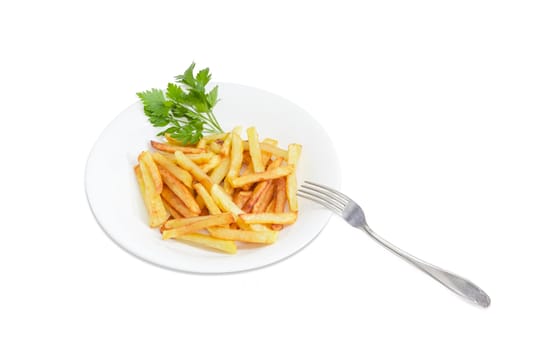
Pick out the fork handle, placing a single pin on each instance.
(455, 283)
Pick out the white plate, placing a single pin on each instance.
(117, 205)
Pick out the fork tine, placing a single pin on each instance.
(340, 194)
(321, 202)
(332, 196)
(324, 198)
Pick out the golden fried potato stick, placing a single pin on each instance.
(200, 158)
(171, 167)
(280, 199)
(219, 173)
(202, 143)
(200, 224)
(187, 164)
(266, 156)
(173, 212)
(261, 205)
(260, 188)
(211, 164)
(236, 155)
(292, 160)
(140, 181)
(241, 197)
(227, 187)
(215, 137)
(172, 224)
(267, 175)
(258, 191)
(180, 190)
(270, 218)
(223, 245)
(165, 147)
(224, 201)
(266, 147)
(246, 160)
(249, 170)
(207, 199)
(172, 140)
(215, 147)
(146, 157)
(176, 203)
(226, 146)
(255, 150)
(272, 204)
(157, 213)
(265, 237)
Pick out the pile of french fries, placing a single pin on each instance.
(221, 190)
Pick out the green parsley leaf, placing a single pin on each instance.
(185, 108)
(154, 102)
(212, 97)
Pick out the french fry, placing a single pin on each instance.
(165, 147)
(236, 155)
(200, 158)
(258, 191)
(172, 168)
(172, 140)
(223, 201)
(270, 218)
(280, 198)
(200, 224)
(246, 160)
(267, 175)
(215, 137)
(241, 198)
(200, 201)
(211, 164)
(187, 164)
(227, 187)
(247, 171)
(219, 173)
(175, 202)
(180, 222)
(292, 160)
(223, 245)
(272, 204)
(266, 156)
(206, 197)
(173, 212)
(172, 224)
(215, 147)
(255, 150)
(226, 146)
(180, 190)
(281, 195)
(157, 213)
(260, 188)
(146, 157)
(265, 237)
(274, 150)
(261, 205)
(140, 181)
(202, 143)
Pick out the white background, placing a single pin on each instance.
(429, 105)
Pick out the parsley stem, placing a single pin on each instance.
(214, 121)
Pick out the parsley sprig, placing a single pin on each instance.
(185, 108)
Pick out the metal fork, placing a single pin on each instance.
(350, 211)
